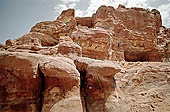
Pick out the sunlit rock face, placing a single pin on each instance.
(128, 34)
(117, 60)
(144, 86)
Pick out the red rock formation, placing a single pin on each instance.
(66, 15)
(132, 35)
(32, 82)
(20, 83)
(97, 82)
(84, 21)
(55, 29)
(60, 76)
(37, 72)
(95, 43)
(69, 49)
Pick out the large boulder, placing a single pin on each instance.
(97, 82)
(33, 82)
(60, 76)
(20, 83)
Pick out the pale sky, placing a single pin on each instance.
(18, 16)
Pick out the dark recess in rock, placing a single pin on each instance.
(42, 89)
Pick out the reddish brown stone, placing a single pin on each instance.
(84, 21)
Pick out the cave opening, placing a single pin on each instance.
(135, 56)
(82, 90)
(84, 21)
(42, 89)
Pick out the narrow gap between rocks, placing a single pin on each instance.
(42, 89)
(82, 90)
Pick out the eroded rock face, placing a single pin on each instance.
(2, 47)
(144, 86)
(33, 82)
(60, 76)
(96, 43)
(20, 83)
(131, 35)
(55, 29)
(33, 38)
(163, 41)
(97, 83)
(69, 49)
(66, 16)
(37, 72)
(71, 103)
(84, 21)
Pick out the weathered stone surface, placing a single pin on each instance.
(163, 42)
(72, 102)
(69, 49)
(131, 34)
(55, 29)
(33, 38)
(2, 47)
(40, 44)
(97, 82)
(96, 43)
(33, 82)
(20, 83)
(84, 21)
(66, 15)
(131, 18)
(63, 26)
(60, 77)
(144, 87)
(9, 42)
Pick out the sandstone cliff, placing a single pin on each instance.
(117, 60)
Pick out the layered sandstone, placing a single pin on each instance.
(132, 34)
(117, 60)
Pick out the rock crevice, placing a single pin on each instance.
(42, 89)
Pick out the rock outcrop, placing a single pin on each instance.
(2, 47)
(32, 82)
(97, 82)
(19, 83)
(117, 60)
(95, 43)
(132, 32)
